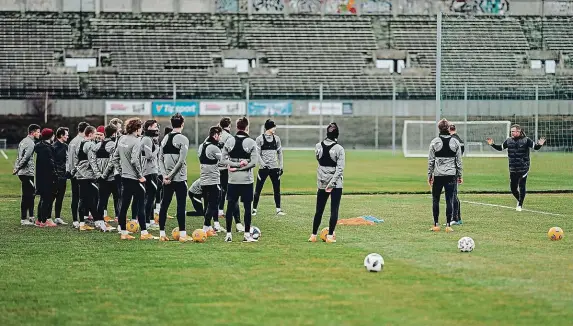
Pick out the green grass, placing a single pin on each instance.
(515, 276)
(379, 172)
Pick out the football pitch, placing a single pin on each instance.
(515, 275)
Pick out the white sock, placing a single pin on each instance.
(205, 228)
(217, 225)
(158, 207)
(229, 234)
(86, 217)
(82, 223)
(162, 233)
(221, 212)
(143, 232)
(124, 232)
(105, 212)
(182, 233)
(278, 210)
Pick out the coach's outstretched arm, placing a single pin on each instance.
(537, 146)
(495, 146)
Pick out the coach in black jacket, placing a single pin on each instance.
(60, 160)
(45, 177)
(518, 148)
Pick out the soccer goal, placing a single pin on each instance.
(299, 137)
(3, 148)
(418, 134)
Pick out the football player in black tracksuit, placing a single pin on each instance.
(518, 147)
(45, 178)
(60, 149)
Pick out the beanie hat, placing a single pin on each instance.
(100, 129)
(332, 131)
(47, 133)
(269, 124)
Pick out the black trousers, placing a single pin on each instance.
(59, 193)
(119, 185)
(89, 193)
(245, 192)
(45, 204)
(457, 214)
(321, 200)
(28, 195)
(179, 188)
(197, 201)
(262, 175)
(224, 178)
(133, 192)
(106, 189)
(448, 183)
(159, 193)
(150, 192)
(211, 195)
(517, 182)
(76, 200)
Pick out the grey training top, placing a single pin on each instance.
(449, 165)
(174, 165)
(210, 174)
(330, 176)
(103, 163)
(87, 169)
(243, 175)
(73, 149)
(127, 156)
(270, 158)
(149, 160)
(25, 161)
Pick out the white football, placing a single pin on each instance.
(466, 244)
(374, 262)
(255, 232)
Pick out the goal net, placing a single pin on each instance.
(300, 137)
(418, 134)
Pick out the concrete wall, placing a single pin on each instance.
(79, 108)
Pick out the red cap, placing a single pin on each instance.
(47, 133)
(100, 129)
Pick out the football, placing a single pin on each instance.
(466, 244)
(555, 233)
(255, 232)
(199, 236)
(374, 262)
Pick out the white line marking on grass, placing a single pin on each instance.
(512, 208)
(4, 154)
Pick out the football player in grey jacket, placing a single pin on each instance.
(25, 169)
(331, 159)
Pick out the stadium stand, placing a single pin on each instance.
(142, 55)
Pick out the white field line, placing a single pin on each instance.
(512, 208)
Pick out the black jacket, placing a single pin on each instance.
(60, 159)
(518, 153)
(45, 167)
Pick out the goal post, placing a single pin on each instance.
(417, 135)
(3, 148)
(299, 137)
